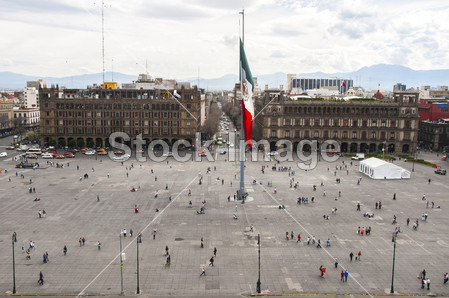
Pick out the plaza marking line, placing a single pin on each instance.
(304, 229)
(143, 230)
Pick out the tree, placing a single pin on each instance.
(72, 143)
(210, 126)
(80, 142)
(90, 143)
(51, 142)
(61, 142)
(33, 136)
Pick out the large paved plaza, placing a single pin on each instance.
(287, 267)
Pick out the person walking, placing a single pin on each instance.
(64, 250)
(215, 251)
(359, 255)
(154, 233)
(251, 228)
(166, 250)
(211, 262)
(445, 277)
(428, 283)
(299, 238)
(203, 271)
(351, 255)
(99, 245)
(336, 263)
(41, 279)
(342, 276)
(124, 232)
(131, 232)
(346, 275)
(202, 242)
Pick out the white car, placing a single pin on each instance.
(47, 156)
(90, 153)
(3, 154)
(123, 157)
(231, 145)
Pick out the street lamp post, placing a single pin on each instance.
(258, 281)
(14, 239)
(414, 157)
(139, 240)
(394, 258)
(121, 266)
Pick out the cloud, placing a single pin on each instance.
(41, 6)
(285, 30)
(172, 11)
(277, 54)
(230, 41)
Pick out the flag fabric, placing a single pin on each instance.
(343, 84)
(247, 88)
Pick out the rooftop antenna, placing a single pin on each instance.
(112, 64)
(198, 77)
(102, 33)
(146, 66)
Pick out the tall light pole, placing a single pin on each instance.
(258, 281)
(394, 258)
(121, 266)
(139, 240)
(14, 239)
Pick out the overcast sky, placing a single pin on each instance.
(178, 38)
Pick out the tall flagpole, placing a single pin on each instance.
(242, 130)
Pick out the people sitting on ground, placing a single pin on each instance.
(190, 204)
(235, 217)
(133, 189)
(37, 199)
(136, 210)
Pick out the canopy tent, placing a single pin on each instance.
(378, 169)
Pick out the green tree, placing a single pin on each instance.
(80, 142)
(51, 142)
(90, 144)
(72, 143)
(61, 142)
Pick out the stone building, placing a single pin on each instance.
(87, 117)
(358, 126)
(434, 135)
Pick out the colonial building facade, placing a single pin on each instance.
(87, 117)
(434, 135)
(362, 126)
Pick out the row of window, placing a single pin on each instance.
(119, 114)
(137, 123)
(107, 131)
(335, 134)
(117, 106)
(338, 122)
(336, 110)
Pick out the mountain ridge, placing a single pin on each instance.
(368, 77)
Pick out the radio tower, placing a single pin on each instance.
(102, 34)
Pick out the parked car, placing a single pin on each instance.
(102, 152)
(24, 165)
(69, 155)
(10, 148)
(440, 172)
(32, 156)
(59, 156)
(47, 156)
(89, 152)
(223, 152)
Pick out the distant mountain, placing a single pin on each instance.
(367, 77)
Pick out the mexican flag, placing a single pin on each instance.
(247, 88)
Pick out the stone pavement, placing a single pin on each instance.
(287, 267)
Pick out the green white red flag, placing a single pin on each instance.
(247, 88)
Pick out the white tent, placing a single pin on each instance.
(378, 169)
